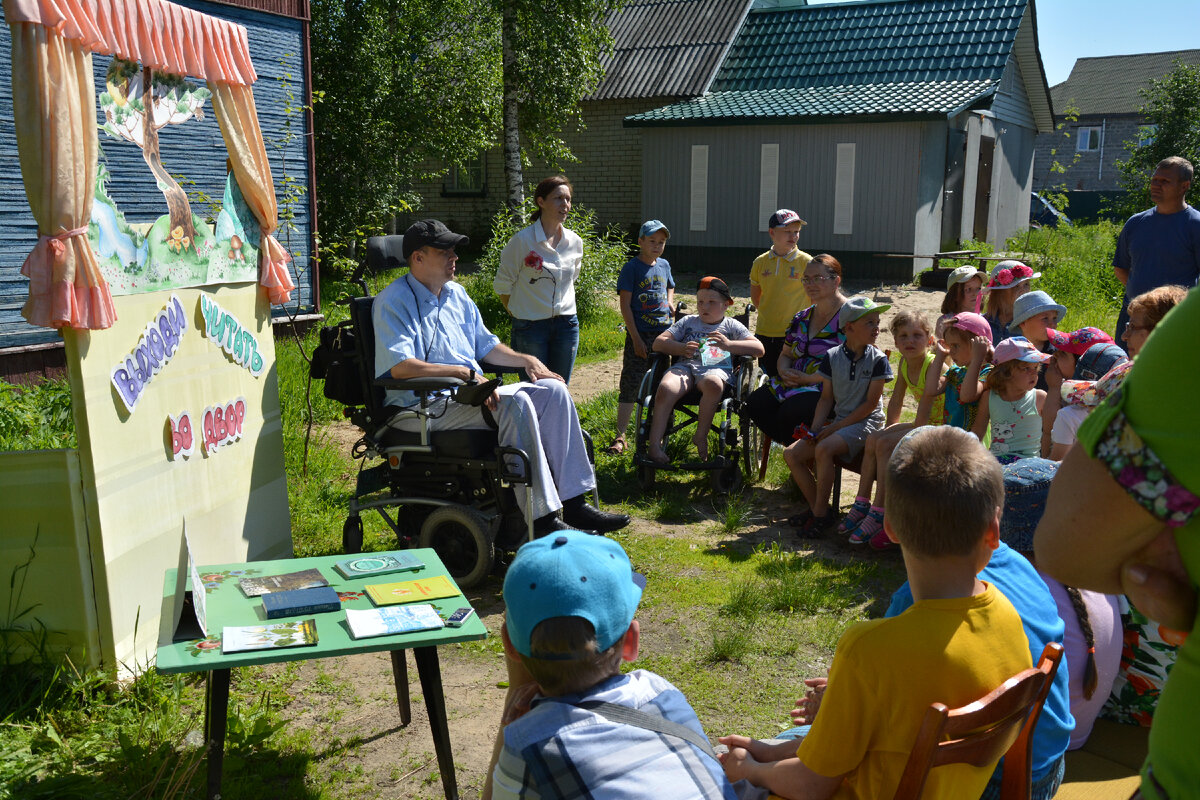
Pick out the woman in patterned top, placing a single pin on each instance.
(789, 400)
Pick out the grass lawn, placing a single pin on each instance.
(735, 613)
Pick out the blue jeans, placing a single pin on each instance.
(554, 341)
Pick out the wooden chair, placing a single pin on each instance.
(979, 733)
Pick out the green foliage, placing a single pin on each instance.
(36, 417)
(556, 50)
(397, 88)
(1076, 266)
(604, 253)
(1173, 104)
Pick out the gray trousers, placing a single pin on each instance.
(539, 418)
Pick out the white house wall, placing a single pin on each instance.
(886, 168)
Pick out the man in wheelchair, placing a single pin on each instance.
(427, 327)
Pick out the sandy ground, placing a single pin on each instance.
(349, 704)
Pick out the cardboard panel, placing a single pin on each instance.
(44, 527)
(233, 497)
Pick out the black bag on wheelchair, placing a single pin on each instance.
(335, 361)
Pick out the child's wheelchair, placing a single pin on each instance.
(452, 490)
(734, 459)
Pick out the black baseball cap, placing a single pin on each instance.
(430, 233)
(717, 285)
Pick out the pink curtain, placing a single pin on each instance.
(234, 107)
(54, 101)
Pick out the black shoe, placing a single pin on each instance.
(544, 526)
(583, 515)
(814, 527)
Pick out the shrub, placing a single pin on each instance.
(1076, 267)
(36, 417)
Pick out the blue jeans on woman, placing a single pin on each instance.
(554, 341)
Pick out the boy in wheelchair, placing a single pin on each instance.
(426, 327)
(707, 342)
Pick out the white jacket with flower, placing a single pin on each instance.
(539, 279)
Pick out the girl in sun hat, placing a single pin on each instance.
(963, 286)
(1007, 281)
(1034, 313)
(1012, 407)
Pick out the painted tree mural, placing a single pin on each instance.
(138, 102)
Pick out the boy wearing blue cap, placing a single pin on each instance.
(647, 292)
(590, 731)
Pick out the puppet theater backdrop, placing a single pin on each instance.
(166, 324)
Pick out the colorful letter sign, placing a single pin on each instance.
(225, 330)
(154, 350)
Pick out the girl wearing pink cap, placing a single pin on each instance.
(1012, 407)
(967, 342)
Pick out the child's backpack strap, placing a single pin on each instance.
(625, 715)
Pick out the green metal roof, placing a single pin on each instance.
(861, 103)
(903, 41)
(904, 59)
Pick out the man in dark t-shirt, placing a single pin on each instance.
(1160, 246)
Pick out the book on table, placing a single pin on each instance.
(297, 633)
(434, 588)
(304, 579)
(368, 622)
(373, 564)
(295, 602)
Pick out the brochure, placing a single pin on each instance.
(296, 633)
(369, 622)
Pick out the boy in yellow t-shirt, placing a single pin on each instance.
(776, 286)
(960, 640)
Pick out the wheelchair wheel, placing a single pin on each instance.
(727, 479)
(352, 535)
(752, 443)
(462, 539)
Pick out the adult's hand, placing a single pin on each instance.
(536, 370)
(1157, 583)
(791, 377)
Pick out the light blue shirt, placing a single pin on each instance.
(410, 322)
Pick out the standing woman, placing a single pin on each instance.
(536, 280)
(790, 399)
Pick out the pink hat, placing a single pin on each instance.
(971, 323)
(1077, 342)
(1018, 348)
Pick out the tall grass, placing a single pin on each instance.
(1076, 267)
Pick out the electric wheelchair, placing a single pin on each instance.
(734, 458)
(451, 490)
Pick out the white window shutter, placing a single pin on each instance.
(768, 185)
(699, 199)
(843, 194)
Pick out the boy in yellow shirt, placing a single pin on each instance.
(960, 640)
(775, 285)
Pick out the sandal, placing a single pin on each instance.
(617, 447)
(800, 520)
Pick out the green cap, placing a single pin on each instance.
(858, 307)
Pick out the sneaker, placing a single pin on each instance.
(857, 513)
(867, 530)
(815, 526)
(857, 536)
(881, 541)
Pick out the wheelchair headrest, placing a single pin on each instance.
(385, 252)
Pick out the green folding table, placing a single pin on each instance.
(227, 605)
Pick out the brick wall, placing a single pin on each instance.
(1090, 170)
(607, 176)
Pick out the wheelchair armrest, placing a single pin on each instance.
(496, 369)
(419, 385)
